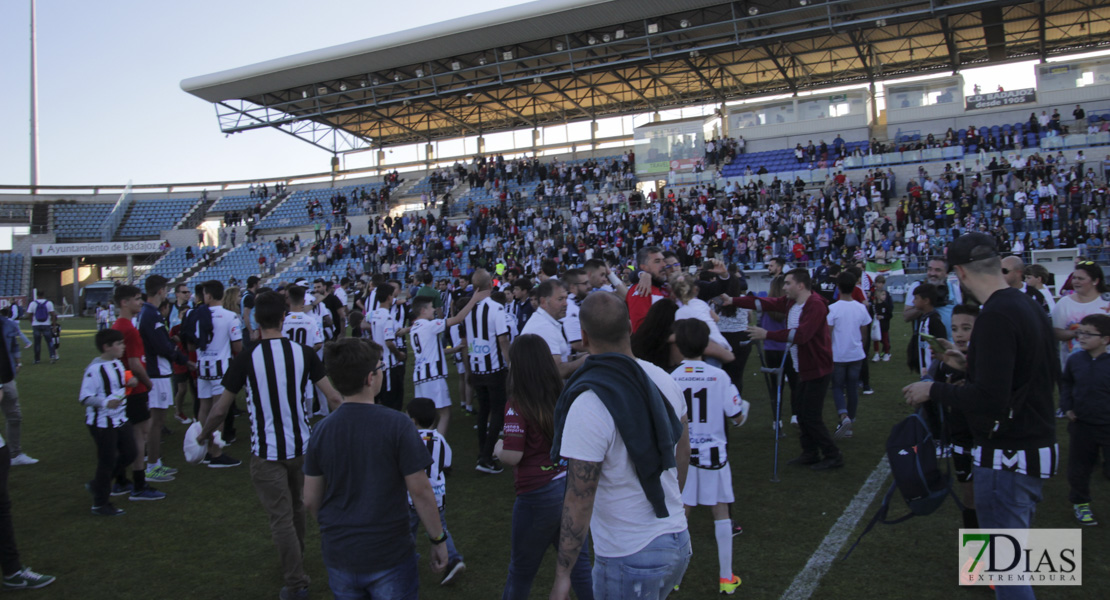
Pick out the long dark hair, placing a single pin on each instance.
(736, 286)
(1094, 272)
(649, 342)
(534, 383)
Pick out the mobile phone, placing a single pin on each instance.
(934, 343)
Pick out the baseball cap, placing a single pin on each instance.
(971, 247)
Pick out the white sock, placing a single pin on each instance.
(153, 465)
(723, 531)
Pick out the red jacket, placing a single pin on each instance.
(811, 336)
(638, 306)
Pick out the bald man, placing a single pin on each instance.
(1013, 270)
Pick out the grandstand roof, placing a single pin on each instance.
(557, 61)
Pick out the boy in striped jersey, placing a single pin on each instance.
(215, 348)
(422, 411)
(383, 330)
(920, 355)
(103, 392)
(430, 373)
(277, 374)
(710, 397)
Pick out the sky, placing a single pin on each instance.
(111, 109)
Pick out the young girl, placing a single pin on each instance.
(685, 289)
(533, 387)
(1085, 400)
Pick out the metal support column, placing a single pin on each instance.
(76, 286)
(130, 270)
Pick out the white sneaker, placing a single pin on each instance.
(876, 359)
(794, 420)
(23, 459)
(886, 358)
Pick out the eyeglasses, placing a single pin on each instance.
(1083, 334)
(380, 367)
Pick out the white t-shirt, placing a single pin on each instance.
(213, 361)
(623, 520)
(846, 317)
(710, 397)
(34, 305)
(384, 329)
(1069, 311)
(545, 326)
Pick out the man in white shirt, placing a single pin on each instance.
(42, 315)
(545, 323)
(214, 351)
(641, 542)
(848, 320)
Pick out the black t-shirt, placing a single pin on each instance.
(364, 452)
(333, 304)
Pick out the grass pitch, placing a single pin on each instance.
(210, 539)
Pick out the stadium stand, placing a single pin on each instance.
(173, 263)
(292, 212)
(11, 274)
(148, 218)
(239, 263)
(15, 213)
(230, 203)
(80, 221)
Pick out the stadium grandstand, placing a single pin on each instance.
(824, 134)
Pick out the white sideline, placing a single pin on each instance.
(819, 563)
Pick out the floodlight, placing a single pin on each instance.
(455, 65)
(420, 72)
(559, 46)
(507, 55)
(653, 28)
(606, 38)
(684, 23)
(619, 34)
(482, 61)
(753, 11)
(592, 40)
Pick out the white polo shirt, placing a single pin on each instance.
(545, 326)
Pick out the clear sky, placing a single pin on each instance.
(111, 108)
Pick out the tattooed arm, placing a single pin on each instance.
(682, 455)
(578, 506)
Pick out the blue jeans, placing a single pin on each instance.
(41, 331)
(414, 522)
(1006, 500)
(399, 583)
(649, 574)
(537, 516)
(845, 376)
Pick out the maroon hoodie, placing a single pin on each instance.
(811, 336)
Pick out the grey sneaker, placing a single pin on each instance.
(26, 579)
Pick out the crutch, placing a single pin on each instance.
(780, 374)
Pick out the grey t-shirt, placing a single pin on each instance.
(364, 452)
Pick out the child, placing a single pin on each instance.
(103, 389)
(883, 307)
(1086, 402)
(430, 372)
(955, 422)
(422, 411)
(101, 317)
(710, 397)
(919, 354)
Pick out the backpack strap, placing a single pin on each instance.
(880, 515)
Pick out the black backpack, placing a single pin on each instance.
(912, 452)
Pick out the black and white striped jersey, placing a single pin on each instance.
(431, 362)
(103, 380)
(383, 329)
(710, 397)
(213, 361)
(485, 324)
(278, 375)
(441, 460)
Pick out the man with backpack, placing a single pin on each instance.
(43, 318)
(1012, 368)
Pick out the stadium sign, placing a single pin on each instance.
(1021, 557)
(96, 248)
(996, 99)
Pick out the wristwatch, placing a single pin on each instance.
(439, 540)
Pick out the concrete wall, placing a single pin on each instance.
(827, 133)
(998, 116)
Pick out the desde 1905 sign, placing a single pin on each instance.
(996, 99)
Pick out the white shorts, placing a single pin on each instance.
(708, 487)
(209, 388)
(435, 389)
(161, 395)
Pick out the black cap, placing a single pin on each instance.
(971, 247)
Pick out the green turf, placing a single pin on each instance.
(209, 538)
